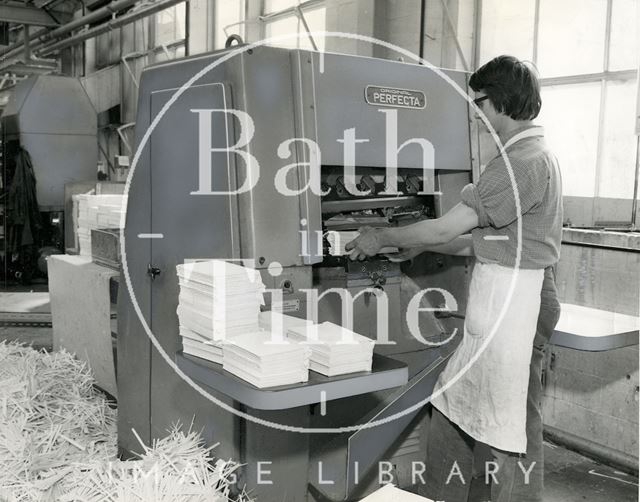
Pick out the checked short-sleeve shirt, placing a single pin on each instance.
(537, 178)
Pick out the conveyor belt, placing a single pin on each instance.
(35, 319)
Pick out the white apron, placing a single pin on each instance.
(489, 400)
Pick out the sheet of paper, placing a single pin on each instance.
(390, 493)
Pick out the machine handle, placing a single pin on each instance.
(153, 271)
(233, 38)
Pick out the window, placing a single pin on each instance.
(571, 37)
(507, 27)
(229, 17)
(587, 54)
(271, 6)
(283, 26)
(624, 35)
(170, 26)
(574, 135)
(290, 22)
(618, 141)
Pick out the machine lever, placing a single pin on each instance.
(378, 279)
(152, 271)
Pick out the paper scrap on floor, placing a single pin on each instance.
(390, 493)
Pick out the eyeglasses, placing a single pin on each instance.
(479, 100)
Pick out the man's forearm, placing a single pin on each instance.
(460, 246)
(459, 220)
(427, 233)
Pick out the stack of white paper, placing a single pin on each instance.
(254, 357)
(218, 300)
(278, 324)
(97, 211)
(334, 350)
(200, 346)
(389, 493)
(339, 239)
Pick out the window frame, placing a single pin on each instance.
(239, 26)
(602, 77)
(307, 5)
(155, 46)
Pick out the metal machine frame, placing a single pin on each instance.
(288, 94)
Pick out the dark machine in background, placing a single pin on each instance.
(49, 123)
(291, 94)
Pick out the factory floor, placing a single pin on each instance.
(569, 476)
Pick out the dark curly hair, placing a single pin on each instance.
(512, 87)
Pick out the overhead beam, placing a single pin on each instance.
(42, 36)
(130, 17)
(17, 12)
(30, 69)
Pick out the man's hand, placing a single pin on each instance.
(368, 243)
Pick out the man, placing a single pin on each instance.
(487, 392)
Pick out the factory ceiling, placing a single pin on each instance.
(37, 21)
(44, 13)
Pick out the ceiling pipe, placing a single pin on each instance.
(27, 47)
(13, 49)
(423, 16)
(33, 35)
(110, 25)
(43, 38)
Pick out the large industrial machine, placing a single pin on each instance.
(181, 207)
(50, 124)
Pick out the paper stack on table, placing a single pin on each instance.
(200, 346)
(218, 300)
(254, 357)
(334, 350)
(97, 211)
(278, 324)
(339, 239)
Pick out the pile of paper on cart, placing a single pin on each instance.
(334, 350)
(218, 300)
(256, 358)
(96, 211)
